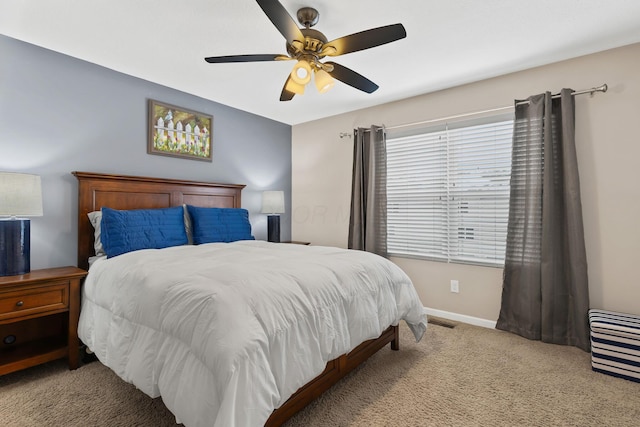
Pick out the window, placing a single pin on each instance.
(448, 191)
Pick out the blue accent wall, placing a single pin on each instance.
(59, 114)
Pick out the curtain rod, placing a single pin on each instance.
(603, 88)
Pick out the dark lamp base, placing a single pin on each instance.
(15, 247)
(273, 228)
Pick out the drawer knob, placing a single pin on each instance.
(19, 303)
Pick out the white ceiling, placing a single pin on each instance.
(449, 42)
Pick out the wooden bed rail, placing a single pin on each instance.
(335, 370)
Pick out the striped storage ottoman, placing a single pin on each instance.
(615, 344)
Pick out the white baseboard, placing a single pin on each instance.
(491, 324)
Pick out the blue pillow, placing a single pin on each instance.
(210, 225)
(132, 230)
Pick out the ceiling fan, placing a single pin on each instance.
(308, 46)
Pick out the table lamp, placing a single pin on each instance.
(273, 205)
(20, 196)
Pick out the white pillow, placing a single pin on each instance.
(96, 218)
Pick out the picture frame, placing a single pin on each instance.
(179, 132)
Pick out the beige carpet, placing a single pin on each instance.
(466, 376)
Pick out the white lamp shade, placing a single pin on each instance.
(294, 87)
(273, 202)
(301, 73)
(324, 81)
(20, 194)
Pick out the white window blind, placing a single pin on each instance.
(448, 191)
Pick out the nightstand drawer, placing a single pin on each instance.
(35, 300)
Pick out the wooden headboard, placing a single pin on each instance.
(137, 192)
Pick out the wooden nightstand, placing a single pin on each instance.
(39, 314)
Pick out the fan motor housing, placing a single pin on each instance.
(314, 40)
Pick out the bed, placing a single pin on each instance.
(257, 360)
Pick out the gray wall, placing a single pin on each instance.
(59, 114)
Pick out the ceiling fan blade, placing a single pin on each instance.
(244, 58)
(286, 95)
(365, 40)
(282, 20)
(350, 77)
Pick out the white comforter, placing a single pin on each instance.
(226, 332)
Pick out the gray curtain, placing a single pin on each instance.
(368, 220)
(545, 292)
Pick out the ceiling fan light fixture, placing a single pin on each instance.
(323, 81)
(308, 46)
(294, 87)
(301, 72)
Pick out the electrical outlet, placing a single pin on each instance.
(455, 286)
